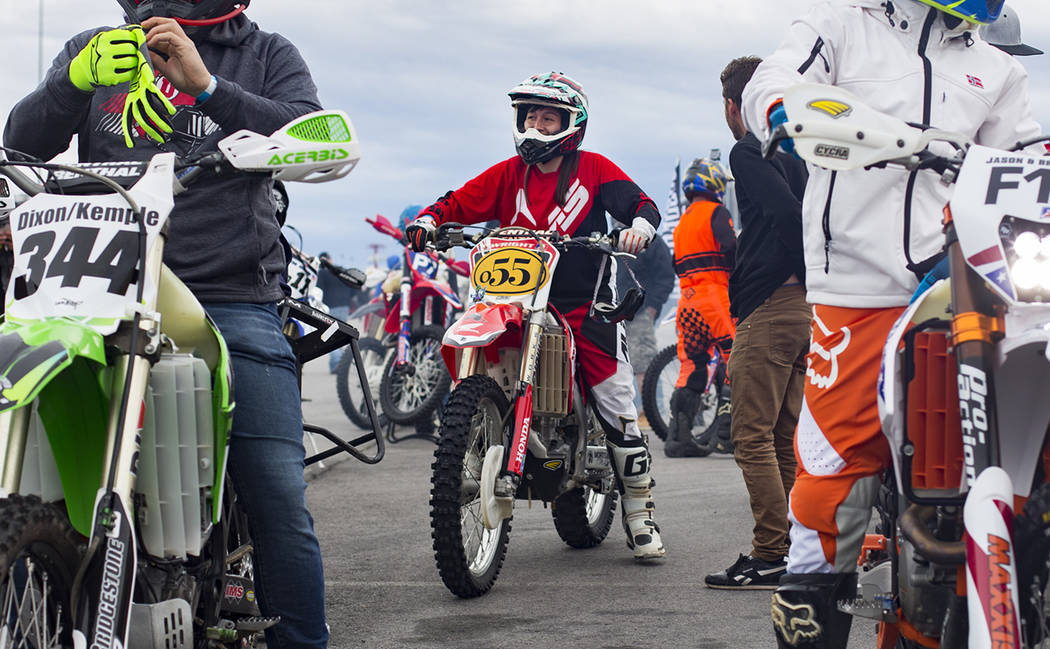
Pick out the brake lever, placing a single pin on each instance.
(770, 146)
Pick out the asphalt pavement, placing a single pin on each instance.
(384, 591)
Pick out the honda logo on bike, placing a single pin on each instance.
(523, 440)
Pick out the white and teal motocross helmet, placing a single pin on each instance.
(553, 90)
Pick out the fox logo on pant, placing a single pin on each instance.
(795, 622)
(830, 356)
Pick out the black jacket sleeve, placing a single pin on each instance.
(769, 189)
(722, 229)
(656, 274)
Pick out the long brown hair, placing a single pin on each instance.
(570, 162)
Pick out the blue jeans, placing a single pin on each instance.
(339, 313)
(266, 466)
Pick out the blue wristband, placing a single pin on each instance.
(206, 94)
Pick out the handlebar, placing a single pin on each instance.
(352, 277)
(106, 177)
(451, 235)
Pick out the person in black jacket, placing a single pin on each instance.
(767, 298)
(222, 75)
(654, 269)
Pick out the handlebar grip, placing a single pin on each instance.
(352, 277)
(19, 179)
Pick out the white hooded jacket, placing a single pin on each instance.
(867, 232)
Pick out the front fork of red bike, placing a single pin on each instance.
(523, 406)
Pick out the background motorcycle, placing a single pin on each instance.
(658, 386)
(312, 333)
(419, 305)
(516, 425)
(962, 393)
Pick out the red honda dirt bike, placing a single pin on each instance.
(419, 304)
(516, 425)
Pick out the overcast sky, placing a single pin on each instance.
(425, 84)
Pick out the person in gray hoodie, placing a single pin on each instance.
(221, 74)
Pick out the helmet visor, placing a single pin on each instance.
(974, 11)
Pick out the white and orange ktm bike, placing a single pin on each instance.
(962, 553)
(516, 425)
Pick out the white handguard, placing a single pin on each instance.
(315, 147)
(634, 239)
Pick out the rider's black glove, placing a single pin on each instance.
(419, 232)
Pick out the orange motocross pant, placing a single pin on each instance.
(839, 443)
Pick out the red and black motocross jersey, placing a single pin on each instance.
(598, 186)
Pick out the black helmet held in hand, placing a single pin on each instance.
(186, 12)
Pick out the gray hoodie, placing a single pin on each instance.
(224, 238)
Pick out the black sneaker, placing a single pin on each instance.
(749, 573)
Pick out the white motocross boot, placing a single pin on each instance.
(636, 505)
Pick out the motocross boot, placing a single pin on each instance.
(718, 435)
(680, 443)
(632, 464)
(805, 610)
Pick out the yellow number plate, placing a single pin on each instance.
(510, 271)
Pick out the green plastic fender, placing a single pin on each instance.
(61, 364)
(222, 412)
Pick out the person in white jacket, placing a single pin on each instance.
(869, 237)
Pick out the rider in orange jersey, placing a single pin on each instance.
(704, 251)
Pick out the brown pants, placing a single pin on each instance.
(767, 372)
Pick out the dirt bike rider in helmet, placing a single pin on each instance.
(552, 185)
(704, 252)
(217, 75)
(869, 236)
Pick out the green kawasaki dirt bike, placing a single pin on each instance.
(116, 403)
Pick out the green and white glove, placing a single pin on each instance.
(147, 107)
(110, 58)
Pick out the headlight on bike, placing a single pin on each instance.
(1027, 246)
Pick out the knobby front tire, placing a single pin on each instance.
(468, 555)
(413, 391)
(40, 553)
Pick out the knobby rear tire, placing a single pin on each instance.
(584, 517)
(468, 555)
(656, 404)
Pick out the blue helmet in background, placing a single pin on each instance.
(704, 176)
(408, 215)
(974, 11)
(393, 261)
